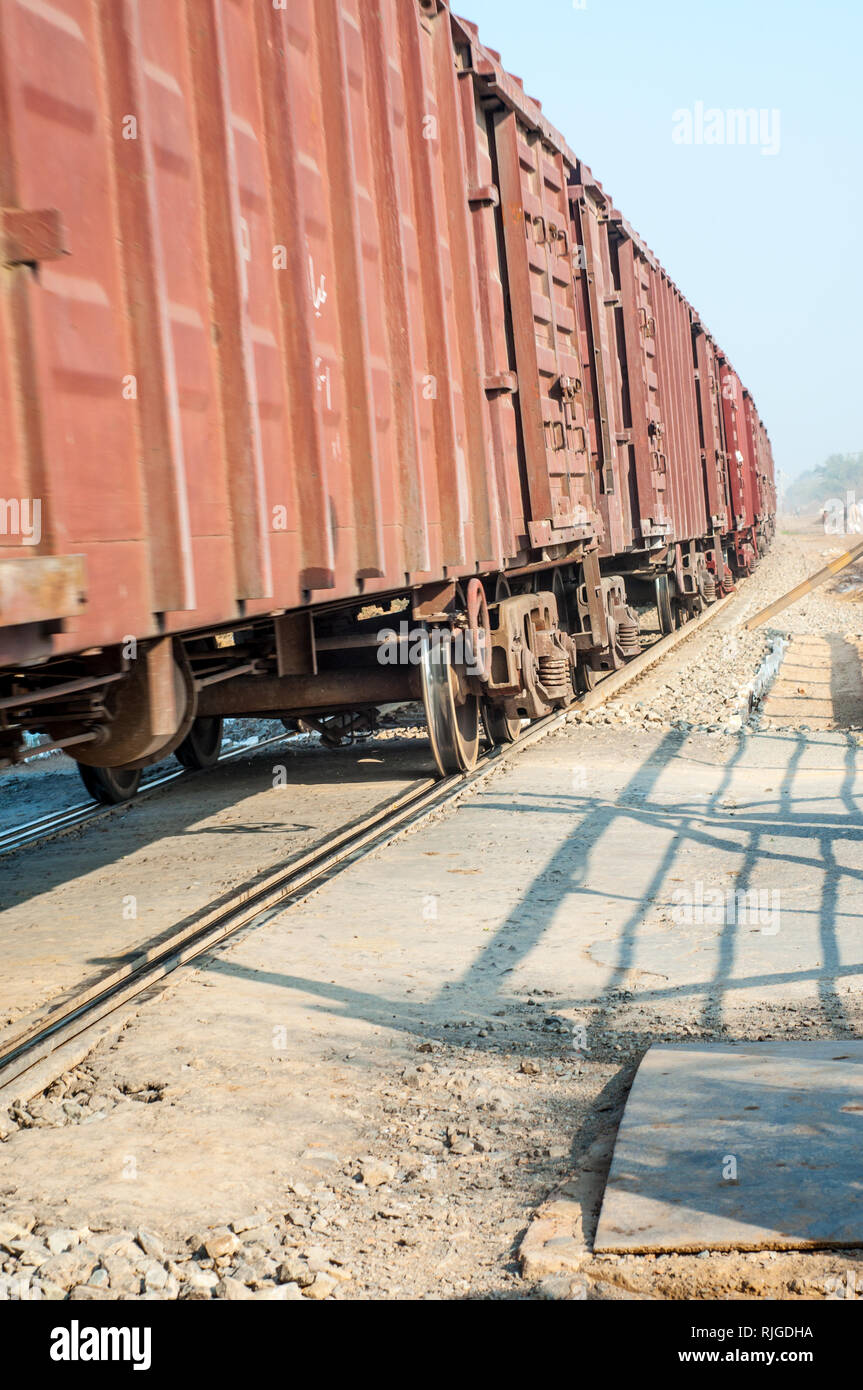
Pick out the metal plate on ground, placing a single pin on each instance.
(739, 1146)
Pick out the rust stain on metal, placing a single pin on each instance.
(42, 589)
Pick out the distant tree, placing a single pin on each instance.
(839, 474)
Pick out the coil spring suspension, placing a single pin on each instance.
(708, 591)
(627, 638)
(554, 677)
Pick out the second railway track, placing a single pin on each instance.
(56, 822)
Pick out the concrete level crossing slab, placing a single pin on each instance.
(819, 685)
(739, 1146)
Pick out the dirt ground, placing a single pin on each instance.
(408, 1085)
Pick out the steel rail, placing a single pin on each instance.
(286, 884)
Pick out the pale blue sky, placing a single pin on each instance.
(767, 248)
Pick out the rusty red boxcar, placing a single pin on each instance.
(310, 324)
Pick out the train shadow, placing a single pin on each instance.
(197, 821)
(186, 806)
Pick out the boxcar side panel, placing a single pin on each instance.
(301, 304)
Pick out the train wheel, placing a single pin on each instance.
(202, 745)
(502, 588)
(110, 785)
(585, 678)
(453, 718)
(663, 604)
(499, 727)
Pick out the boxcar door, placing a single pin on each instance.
(738, 447)
(712, 434)
(600, 302)
(539, 273)
(649, 473)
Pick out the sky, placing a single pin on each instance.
(766, 246)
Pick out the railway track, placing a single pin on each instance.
(45, 827)
(32, 1058)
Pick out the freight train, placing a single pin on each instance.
(315, 334)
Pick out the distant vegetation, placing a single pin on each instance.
(840, 474)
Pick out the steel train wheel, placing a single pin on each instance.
(453, 726)
(585, 678)
(202, 745)
(110, 785)
(663, 604)
(499, 727)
